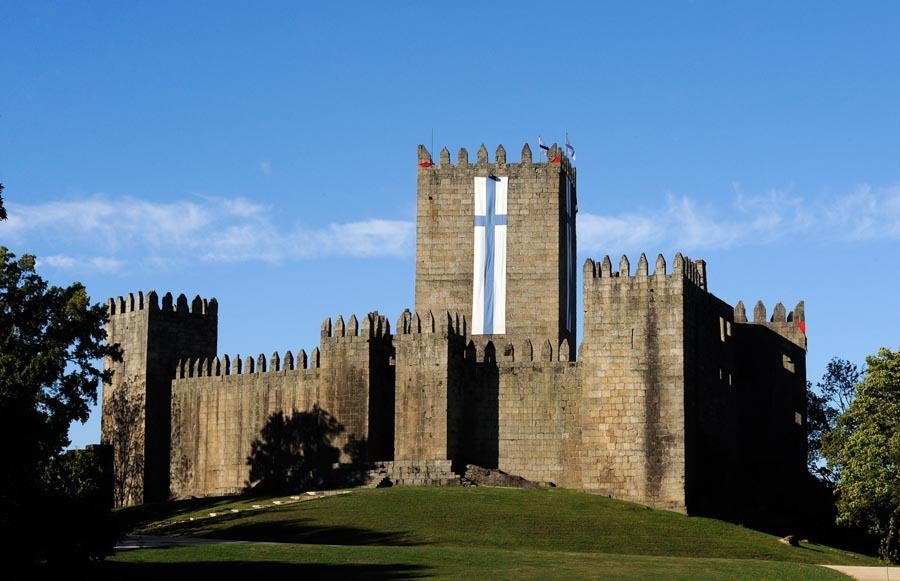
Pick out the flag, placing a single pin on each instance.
(489, 265)
(570, 151)
(802, 325)
(556, 159)
(426, 163)
(543, 145)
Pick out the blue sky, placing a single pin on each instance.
(265, 153)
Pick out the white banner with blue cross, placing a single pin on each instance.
(489, 274)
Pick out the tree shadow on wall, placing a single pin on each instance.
(296, 453)
(126, 436)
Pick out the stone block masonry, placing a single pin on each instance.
(675, 401)
(540, 249)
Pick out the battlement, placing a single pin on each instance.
(130, 304)
(411, 323)
(691, 270)
(526, 352)
(426, 163)
(779, 314)
(790, 325)
(216, 367)
(373, 325)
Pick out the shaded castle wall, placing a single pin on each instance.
(711, 402)
(520, 410)
(632, 368)
(538, 246)
(136, 404)
(219, 407)
(771, 371)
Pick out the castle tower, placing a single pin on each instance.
(136, 405)
(496, 241)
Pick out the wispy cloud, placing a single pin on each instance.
(265, 166)
(106, 234)
(101, 233)
(866, 213)
(94, 264)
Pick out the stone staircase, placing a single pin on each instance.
(413, 473)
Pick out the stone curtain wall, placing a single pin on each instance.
(536, 239)
(220, 406)
(539, 429)
(215, 419)
(428, 387)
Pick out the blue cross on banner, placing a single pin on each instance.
(489, 272)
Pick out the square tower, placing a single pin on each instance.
(496, 242)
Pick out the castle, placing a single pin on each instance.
(673, 399)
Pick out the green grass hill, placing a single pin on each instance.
(473, 533)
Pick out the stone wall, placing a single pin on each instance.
(711, 399)
(539, 435)
(428, 375)
(520, 409)
(219, 407)
(633, 381)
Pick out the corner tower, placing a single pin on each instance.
(496, 241)
(136, 419)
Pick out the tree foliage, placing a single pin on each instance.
(51, 339)
(2, 209)
(824, 405)
(865, 450)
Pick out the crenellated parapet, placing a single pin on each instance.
(498, 166)
(225, 366)
(693, 271)
(445, 324)
(791, 325)
(498, 349)
(150, 302)
(373, 326)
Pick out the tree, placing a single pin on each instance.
(864, 448)
(823, 408)
(2, 209)
(51, 339)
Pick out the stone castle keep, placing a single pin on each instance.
(673, 399)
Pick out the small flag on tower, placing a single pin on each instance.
(570, 151)
(426, 163)
(543, 145)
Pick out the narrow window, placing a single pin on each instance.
(787, 363)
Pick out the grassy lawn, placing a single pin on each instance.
(406, 533)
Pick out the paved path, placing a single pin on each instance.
(152, 542)
(869, 573)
